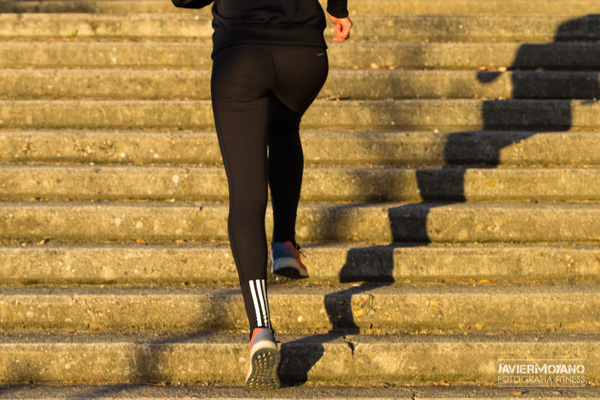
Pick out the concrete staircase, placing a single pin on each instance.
(450, 211)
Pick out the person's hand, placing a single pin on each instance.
(342, 28)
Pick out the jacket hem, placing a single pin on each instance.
(289, 35)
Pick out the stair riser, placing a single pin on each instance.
(470, 28)
(358, 310)
(319, 184)
(343, 84)
(173, 265)
(357, 115)
(320, 148)
(159, 55)
(409, 7)
(158, 222)
(302, 360)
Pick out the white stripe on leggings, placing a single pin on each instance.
(261, 296)
(256, 309)
(266, 301)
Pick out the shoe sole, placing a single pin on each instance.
(264, 370)
(288, 269)
(289, 272)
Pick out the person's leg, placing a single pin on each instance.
(300, 72)
(286, 164)
(240, 99)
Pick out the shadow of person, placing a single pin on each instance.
(543, 81)
(545, 78)
(368, 271)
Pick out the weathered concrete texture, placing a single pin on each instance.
(446, 148)
(102, 54)
(320, 147)
(303, 392)
(465, 360)
(139, 147)
(133, 26)
(196, 55)
(357, 115)
(377, 223)
(108, 264)
(222, 359)
(365, 309)
(476, 7)
(473, 56)
(105, 84)
(491, 27)
(21, 182)
(95, 6)
(470, 28)
(358, 7)
(409, 84)
(201, 263)
(343, 84)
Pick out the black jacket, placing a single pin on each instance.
(294, 22)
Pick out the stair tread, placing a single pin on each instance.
(220, 338)
(169, 54)
(482, 27)
(314, 206)
(413, 114)
(194, 84)
(305, 290)
(198, 262)
(308, 391)
(221, 358)
(362, 7)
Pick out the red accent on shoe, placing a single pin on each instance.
(254, 332)
(291, 246)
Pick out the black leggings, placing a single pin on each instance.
(259, 94)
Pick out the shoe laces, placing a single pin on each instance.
(297, 246)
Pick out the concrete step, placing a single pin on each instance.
(341, 83)
(349, 184)
(375, 223)
(352, 115)
(193, 264)
(196, 55)
(357, 7)
(457, 28)
(367, 309)
(222, 359)
(287, 391)
(402, 148)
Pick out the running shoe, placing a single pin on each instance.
(264, 360)
(286, 261)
